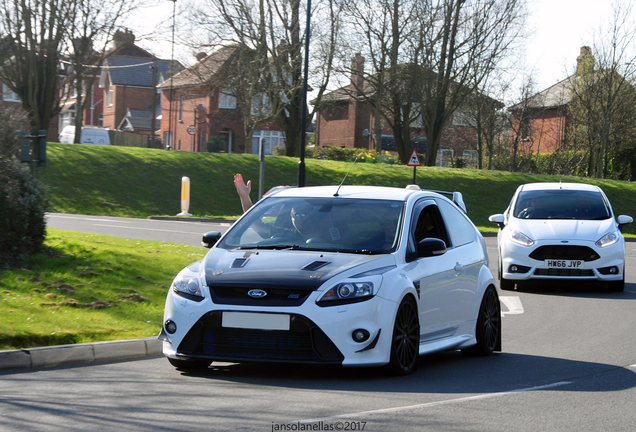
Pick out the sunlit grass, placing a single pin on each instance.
(88, 287)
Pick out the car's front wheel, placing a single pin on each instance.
(488, 330)
(405, 342)
(189, 364)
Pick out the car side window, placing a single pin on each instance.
(429, 224)
(459, 227)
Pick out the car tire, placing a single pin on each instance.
(504, 284)
(189, 364)
(616, 286)
(405, 341)
(488, 330)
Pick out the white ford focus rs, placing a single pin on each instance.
(354, 276)
(560, 231)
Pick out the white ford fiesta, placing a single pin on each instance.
(353, 276)
(560, 231)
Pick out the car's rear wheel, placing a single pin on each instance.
(406, 339)
(488, 330)
(189, 364)
(504, 284)
(616, 286)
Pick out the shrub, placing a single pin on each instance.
(23, 200)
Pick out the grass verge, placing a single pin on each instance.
(88, 288)
(137, 182)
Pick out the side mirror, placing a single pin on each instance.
(210, 238)
(624, 220)
(429, 247)
(498, 219)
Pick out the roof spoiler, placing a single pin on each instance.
(456, 197)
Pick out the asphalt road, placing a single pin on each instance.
(568, 364)
(174, 231)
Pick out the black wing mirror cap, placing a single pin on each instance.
(210, 238)
(429, 247)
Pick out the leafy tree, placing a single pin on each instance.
(34, 35)
(23, 199)
(270, 66)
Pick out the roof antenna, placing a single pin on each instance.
(345, 177)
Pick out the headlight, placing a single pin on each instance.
(521, 239)
(348, 292)
(607, 239)
(187, 285)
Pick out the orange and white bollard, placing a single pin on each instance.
(185, 196)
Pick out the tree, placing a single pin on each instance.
(95, 22)
(429, 56)
(272, 67)
(603, 107)
(34, 34)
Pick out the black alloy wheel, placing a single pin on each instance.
(488, 330)
(405, 343)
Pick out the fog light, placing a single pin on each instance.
(614, 270)
(360, 335)
(170, 326)
(513, 269)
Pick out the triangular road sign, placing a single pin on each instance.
(414, 160)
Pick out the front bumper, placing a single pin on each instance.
(316, 335)
(529, 263)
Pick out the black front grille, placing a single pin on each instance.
(563, 272)
(275, 296)
(303, 342)
(562, 252)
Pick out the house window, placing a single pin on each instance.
(524, 128)
(9, 95)
(74, 92)
(463, 118)
(261, 106)
(271, 140)
(415, 116)
(109, 98)
(227, 100)
(181, 101)
(444, 158)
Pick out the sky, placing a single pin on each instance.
(559, 28)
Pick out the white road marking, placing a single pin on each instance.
(148, 229)
(434, 404)
(513, 303)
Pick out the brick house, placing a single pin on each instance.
(199, 114)
(124, 91)
(344, 120)
(540, 123)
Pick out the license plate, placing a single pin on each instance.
(564, 264)
(256, 321)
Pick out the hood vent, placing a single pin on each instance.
(239, 262)
(315, 265)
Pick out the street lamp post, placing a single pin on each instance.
(303, 125)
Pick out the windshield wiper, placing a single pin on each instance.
(270, 247)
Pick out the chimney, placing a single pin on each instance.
(121, 38)
(357, 72)
(200, 56)
(585, 60)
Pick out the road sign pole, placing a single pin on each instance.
(414, 174)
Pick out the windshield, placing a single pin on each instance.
(326, 224)
(561, 204)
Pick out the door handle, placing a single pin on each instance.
(458, 267)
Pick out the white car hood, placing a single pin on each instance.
(564, 229)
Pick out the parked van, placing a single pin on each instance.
(90, 135)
